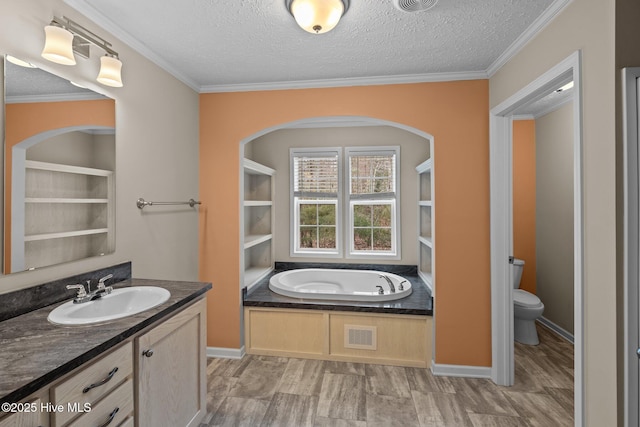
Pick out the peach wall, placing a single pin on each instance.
(455, 113)
(25, 120)
(524, 200)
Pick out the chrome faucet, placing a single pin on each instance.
(380, 290)
(391, 287)
(86, 295)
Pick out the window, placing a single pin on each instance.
(370, 194)
(315, 178)
(373, 180)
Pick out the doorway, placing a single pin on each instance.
(501, 118)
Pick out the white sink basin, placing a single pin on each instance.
(119, 303)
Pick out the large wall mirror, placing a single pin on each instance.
(59, 165)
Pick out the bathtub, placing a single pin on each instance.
(344, 285)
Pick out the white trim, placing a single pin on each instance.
(558, 330)
(460, 371)
(226, 353)
(553, 107)
(630, 89)
(529, 34)
(501, 225)
(346, 82)
(523, 117)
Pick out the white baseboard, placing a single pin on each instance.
(225, 353)
(557, 329)
(460, 371)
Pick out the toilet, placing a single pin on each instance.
(526, 309)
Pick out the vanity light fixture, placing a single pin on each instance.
(317, 16)
(65, 38)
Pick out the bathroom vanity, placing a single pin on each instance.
(143, 370)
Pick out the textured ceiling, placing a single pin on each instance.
(218, 44)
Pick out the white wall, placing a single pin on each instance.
(156, 151)
(273, 150)
(554, 215)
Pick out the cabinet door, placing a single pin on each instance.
(33, 417)
(172, 370)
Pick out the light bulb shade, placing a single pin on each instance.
(110, 71)
(317, 16)
(58, 45)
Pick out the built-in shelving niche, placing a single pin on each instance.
(257, 232)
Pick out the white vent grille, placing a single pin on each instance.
(360, 337)
(414, 5)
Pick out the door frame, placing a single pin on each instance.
(501, 221)
(631, 239)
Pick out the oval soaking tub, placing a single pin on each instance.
(344, 285)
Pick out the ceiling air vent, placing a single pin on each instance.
(414, 5)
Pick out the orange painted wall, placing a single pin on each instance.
(25, 120)
(524, 200)
(455, 113)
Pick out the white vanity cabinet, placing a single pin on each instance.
(258, 222)
(426, 222)
(171, 370)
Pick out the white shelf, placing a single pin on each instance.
(256, 168)
(48, 236)
(62, 200)
(56, 167)
(428, 203)
(250, 203)
(426, 241)
(253, 240)
(424, 166)
(254, 274)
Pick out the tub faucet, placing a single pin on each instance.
(391, 287)
(380, 290)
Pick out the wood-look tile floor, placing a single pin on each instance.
(277, 391)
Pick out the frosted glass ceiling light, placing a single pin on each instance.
(66, 38)
(317, 16)
(110, 71)
(58, 45)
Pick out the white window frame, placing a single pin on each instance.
(294, 231)
(386, 198)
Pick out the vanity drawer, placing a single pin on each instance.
(117, 406)
(99, 374)
(127, 423)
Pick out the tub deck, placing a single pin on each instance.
(419, 303)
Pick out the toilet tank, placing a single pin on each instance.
(518, 265)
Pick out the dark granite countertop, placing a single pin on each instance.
(34, 352)
(419, 302)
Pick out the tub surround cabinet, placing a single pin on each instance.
(153, 381)
(387, 339)
(257, 233)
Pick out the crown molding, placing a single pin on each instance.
(529, 34)
(353, 81)
(96, 16)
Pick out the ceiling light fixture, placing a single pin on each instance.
(65, 38)
(317, 16)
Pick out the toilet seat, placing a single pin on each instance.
(525, 299)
